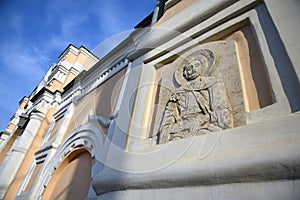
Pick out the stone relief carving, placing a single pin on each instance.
(199, 104)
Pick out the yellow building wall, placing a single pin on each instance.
(174, 10)
(256, 85)
(29, 157)
(8, 145)
(71, 180)
(55, 85)
(69, 78)
(71, 57)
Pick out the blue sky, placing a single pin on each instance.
(33, 33)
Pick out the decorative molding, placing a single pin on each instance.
(170, 29)
(86, 52)
(106, 74)
(80, 89)
(198, 102)
(70, 48)
(171, 3)
(88, 137)
(269, 152)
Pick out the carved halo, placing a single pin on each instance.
(189, 58)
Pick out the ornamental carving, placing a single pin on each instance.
(196, 101)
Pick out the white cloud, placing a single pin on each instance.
(56, 42)
(68, 25)
(22, 67)
(27, 61)
(35, 45)
(111, 17)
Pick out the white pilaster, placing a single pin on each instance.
(19, 151)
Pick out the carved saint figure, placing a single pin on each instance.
(199, 105)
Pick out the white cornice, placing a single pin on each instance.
(103, 76)
(72, 49)
(198, 11)
(63, 69)
(87, 53)
(171, 3)
(84, 86)
(74, 71)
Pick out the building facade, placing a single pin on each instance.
(200, 101)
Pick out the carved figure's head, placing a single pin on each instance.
(195, 68)
(192, 65)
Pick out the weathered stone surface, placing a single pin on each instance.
(265, 152)
(204, 101)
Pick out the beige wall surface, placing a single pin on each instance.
(180, 6)
(101, 101)
(71, 57)
(258, 151)
(8, 145)
(72, 179)
(29, 157)
(107, 94)
(256, 83)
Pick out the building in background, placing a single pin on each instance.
(202, 100)
(28, 127)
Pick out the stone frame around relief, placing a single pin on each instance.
(156, 61)
(224, 66)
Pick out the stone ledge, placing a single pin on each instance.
(261, 152)
(275, 190)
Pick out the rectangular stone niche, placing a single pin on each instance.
(255, 81)
(212, 100)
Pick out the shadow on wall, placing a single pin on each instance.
(283, 64)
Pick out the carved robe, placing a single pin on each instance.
(196, 108)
